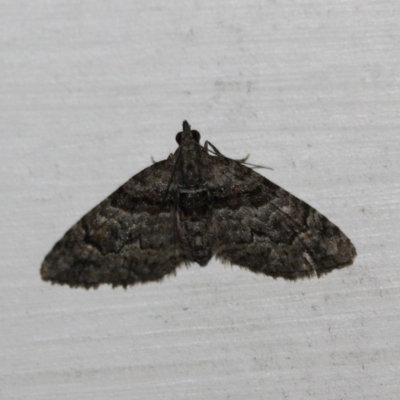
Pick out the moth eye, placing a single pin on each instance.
(196, 136)
(178, 137)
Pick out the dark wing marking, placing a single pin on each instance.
(130, 237)
(266, 229)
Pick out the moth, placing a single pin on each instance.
(192, 206)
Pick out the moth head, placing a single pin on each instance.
(187, 131)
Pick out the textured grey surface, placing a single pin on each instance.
(90, 90)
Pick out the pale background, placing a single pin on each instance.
(90, 90)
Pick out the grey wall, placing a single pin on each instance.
(90, 90)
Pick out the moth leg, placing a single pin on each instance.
(218, 153)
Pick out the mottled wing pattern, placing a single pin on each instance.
(130, 237)
(266, 229)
